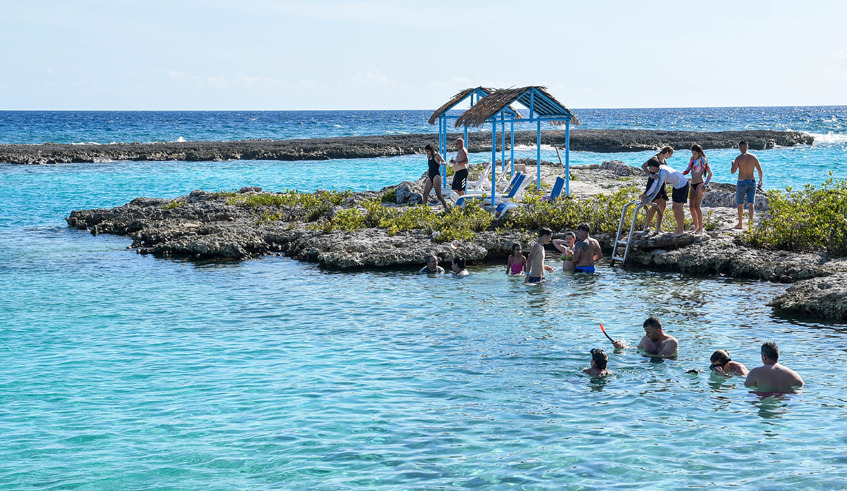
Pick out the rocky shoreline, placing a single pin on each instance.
(205, 225)
(383, 146)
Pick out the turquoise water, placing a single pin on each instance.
(124, 371)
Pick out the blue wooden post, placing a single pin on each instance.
(567, 158)
(512, 132)
(538, 154)
(493, 160)
(502, 142)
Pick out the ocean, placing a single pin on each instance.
(124, 371)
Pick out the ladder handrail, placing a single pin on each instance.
(628, 241)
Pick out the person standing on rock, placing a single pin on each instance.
(771, 376)
(586, 251)
(661, 199)
(433, 175)
(699, 168)
(460, 168)
(745, 189)
(536, 258)
(665, 174)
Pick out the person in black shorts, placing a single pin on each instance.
(433, 175)
(460, 168)
(661, 199)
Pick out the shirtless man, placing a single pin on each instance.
(586, 251)
(536, 257)
(661, 199)
(655, 342)
(460, 168)
(771, 376)
(745, 164)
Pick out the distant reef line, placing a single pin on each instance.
(356, 147)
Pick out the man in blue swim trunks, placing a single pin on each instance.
(586, 250)
(745, 189)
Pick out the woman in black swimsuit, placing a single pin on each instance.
(433, 175)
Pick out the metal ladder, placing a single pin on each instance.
(627, 242)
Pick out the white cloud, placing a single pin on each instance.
(371, 77)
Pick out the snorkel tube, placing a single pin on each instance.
(604, 332)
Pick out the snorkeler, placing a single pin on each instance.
(722, 364)
(599, 360)
(655, 342)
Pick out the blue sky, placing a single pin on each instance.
(316, 54)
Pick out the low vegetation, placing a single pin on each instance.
(811, 219)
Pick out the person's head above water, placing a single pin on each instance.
(459, 262)
(653, 328)
(431, 261)
(719, 358)
(599, 359)
(570, 238)
(770, 351)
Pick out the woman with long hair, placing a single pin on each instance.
(433, 175)
(701, 174)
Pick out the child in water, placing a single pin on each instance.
(517, 261)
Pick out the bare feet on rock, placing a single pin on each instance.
(678, 233)
(739, 226)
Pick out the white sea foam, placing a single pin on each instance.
(180, 139)
(532, 147)
(830, 138)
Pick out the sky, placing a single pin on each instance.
(326, 54)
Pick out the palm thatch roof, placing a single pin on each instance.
(536, 98)
(457, 99)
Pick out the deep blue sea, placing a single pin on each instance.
(123, 371)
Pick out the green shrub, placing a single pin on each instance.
(389, 196)
(813, 219)
(174, 204)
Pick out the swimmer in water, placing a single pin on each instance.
(722, 364)
(655, 342)
(599, 360)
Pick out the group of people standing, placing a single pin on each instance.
(660, 173)
(579, 253)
